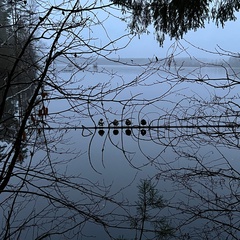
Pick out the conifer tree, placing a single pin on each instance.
(177, 17)
(5, 33)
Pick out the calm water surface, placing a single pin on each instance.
(120, 160)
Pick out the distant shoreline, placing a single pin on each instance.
(178, 61)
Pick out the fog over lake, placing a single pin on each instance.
(121, 159)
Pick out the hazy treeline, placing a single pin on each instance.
(17, 65)
(177, 61)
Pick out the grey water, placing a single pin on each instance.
(121, 160)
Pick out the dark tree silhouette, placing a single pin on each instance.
(177, 17)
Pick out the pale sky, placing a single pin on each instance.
(147, 46)
(207, 38)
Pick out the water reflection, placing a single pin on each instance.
(15, 91)
(189, 147)
(89, 169)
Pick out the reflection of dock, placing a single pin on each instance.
(152, 127)
(228, 125)
(172, 131)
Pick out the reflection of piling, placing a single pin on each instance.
(100, 125)
(128, 127)
(143, 131)
(128, 131)
(115, 125)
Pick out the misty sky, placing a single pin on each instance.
(207, 38)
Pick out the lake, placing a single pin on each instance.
(188, 147)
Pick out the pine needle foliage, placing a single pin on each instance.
(149, 222)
